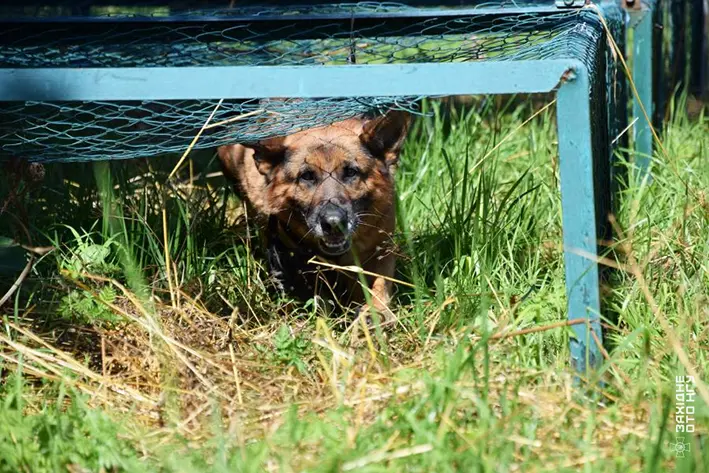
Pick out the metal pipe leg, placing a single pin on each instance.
(578, 204)
(642, 76)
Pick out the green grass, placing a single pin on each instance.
(110, 362)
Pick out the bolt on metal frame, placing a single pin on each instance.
(585, 154)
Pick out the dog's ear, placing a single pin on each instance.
(231, 157)
(384, 136)
(268, 154)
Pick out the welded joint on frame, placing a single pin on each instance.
(575, 75)
(632, 5)
(569, 75)
(571, 3)
(635, 12)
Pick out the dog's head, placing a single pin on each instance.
(326, 183)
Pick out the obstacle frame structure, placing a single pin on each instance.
(591, 108)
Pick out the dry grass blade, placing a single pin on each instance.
(401, 390)
(18, 282)
(27, 268)
(358, 270)
(237, 382)
(625, 130)
(234, 119)
(543, 328)
(387, 456)
(148, 323)
(58, 363)
(166, 249)
(195, 139)
(607, 357)
(436, 316)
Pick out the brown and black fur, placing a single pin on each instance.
(328, 193)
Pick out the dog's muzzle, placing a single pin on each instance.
(335, 230)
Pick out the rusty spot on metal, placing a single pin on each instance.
(634, 5)
(568, 75)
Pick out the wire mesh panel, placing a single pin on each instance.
(189, 34)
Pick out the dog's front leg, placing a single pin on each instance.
(276, 267)
(381, 285)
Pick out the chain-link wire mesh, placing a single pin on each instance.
(334, 34)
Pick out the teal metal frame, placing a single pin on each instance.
(644, 77)
(242, 82)
(584, 166)
(580, 194)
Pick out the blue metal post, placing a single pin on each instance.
(578, 200)
(642, 76)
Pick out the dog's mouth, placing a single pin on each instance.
(335, 246)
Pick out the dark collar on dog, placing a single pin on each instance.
(276, 229)
(280, 233)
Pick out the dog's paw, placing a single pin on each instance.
(371, 318)
(384, 315)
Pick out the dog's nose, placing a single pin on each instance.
(333, 220)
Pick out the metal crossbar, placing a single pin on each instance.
(68, 98)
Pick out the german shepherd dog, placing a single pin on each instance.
(325, 193)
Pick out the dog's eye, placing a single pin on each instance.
(307, 176)
(350, 172)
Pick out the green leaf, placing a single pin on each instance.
(282, 339)
(7, 242)
(94, 254)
